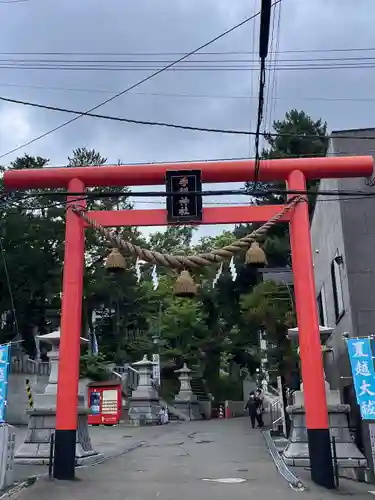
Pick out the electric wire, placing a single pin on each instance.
(91, 62)
(137, 84)
(232, 158)
(253, 31)
(274, 89)
(217, 192)
(271, 76)
(225, 52)
(161, 124)
(264, 33)
(185, 95)
(197, 68)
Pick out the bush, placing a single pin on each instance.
(93, 367)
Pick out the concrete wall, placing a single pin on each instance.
(346, 224)
(236, 408)
(18, 402)
(327, 239)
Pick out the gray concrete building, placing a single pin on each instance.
(343, 244)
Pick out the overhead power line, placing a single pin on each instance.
(184, 95)
(166, 124)
(191, 68)
(264, 35)
(137, 84)
(22, 196)
(231, 52)
(93, 62)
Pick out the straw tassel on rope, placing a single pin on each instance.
(185, 285)
(255, 256)
(115, 261)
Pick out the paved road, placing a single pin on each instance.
(186, 463)
(108, 441)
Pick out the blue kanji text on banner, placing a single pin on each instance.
(4, 372)
(360, 355)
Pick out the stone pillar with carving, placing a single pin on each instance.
(144, 404)
(186, 401)
(42, 418)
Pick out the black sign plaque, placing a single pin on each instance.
(183, 206)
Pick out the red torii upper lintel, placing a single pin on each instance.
(212, 171)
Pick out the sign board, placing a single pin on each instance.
(182, 206)
(7, 450)
(361, 361)
(371, 428)
(105, 404)
(95, 403)
(4, 373)
(156, 368)
(110, 401)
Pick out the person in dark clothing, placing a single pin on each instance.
(259, 408)
(251, 406)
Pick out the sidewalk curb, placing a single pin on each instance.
(31, 480)
(294, 482)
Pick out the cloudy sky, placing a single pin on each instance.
(85, 51)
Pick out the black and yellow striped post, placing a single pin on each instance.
(29, 394)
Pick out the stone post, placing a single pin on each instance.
(186, 401)
(296, 453)
(42, 418)
(144, 406)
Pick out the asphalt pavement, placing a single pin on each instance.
(206, 460)
(108, 441)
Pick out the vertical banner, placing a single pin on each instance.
(156, 368)
(4, 372)
(360, 355)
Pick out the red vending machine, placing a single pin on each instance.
(105, 403)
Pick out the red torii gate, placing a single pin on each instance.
(293, 171)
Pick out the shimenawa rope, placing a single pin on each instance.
(190, 261)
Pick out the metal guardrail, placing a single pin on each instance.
(281, 466)
(276, 414)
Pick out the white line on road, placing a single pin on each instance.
(227, 480)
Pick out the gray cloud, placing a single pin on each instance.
(175, 26)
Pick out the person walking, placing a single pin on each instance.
(259, 407)
(251, 406)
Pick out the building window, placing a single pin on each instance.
(338, 296)
(322, 310)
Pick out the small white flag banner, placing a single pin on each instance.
(155, 280)
(218, 274)
(233, 270)
(138, 270)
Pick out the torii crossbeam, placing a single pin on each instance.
(294, 171)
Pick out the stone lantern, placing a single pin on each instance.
(144, 405)
(186, 401)
(42, 417)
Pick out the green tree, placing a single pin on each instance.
(270, 308)
(32, 232)
(296, 136)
